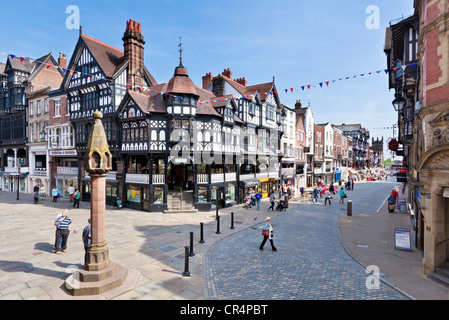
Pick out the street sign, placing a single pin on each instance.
(402, 239)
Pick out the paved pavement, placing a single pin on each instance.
(322, 253)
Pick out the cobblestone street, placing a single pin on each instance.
(310, 263)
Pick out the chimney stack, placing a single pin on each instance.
(207, 79)
(298, 104)
(242, 81)
(227, 73)
(62, 62)
(133, 48)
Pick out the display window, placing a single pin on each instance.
(213, 195)
(158, 196)
(133, 195)
(202, 194)
(111, 191)
(230, 194)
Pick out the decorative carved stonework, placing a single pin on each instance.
(99, 158)
(439, 161)
(442, 120)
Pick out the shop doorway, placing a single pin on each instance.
(179, 176)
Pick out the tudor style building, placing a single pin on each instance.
(175, 146)
(97, 79)
(259, 108)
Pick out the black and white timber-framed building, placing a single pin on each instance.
(175, 146)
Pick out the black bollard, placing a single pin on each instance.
(202, 233)
(218, 225)
(191, 244)
(186, 272)
(232, 220)
(349, 209)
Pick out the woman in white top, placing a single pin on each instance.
(267, 236)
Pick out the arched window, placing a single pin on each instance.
(153, 135)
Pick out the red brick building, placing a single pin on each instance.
(428, 169)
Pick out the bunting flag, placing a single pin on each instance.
(286, 91)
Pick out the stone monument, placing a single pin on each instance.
(100, 275)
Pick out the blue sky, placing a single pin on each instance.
(297, 42)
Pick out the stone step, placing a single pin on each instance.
(440, 276)
(181, 211)
(108, 279)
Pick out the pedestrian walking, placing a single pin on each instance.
(36, 194)
(86, 239)
(62, 224)
(258, 196)
(391, 203)
(352, 184)
(327, 197)
(342, 195)
(71, 190)
(42, 193)
(267, 232)
(395, 195)
(272, 200)
(76, 198)
(332, 188)
(316, 194)
(55, 193)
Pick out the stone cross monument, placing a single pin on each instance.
(100, 275)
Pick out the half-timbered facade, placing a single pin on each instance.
(96, 79)
(259, 108)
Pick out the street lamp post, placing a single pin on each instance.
(18, 182)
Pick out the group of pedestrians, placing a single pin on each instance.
(392, 200)
(321, 191)
(74, 194)
(253, 199)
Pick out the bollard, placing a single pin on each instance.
(186, 272)
(218, 225)
(202, 233)
(349, 209)
(191, 244)
(232, 220)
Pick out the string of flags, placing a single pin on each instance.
(287, 90)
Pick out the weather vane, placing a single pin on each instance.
(180, 50)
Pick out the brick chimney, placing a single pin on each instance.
(134, 47)
(207, 79)
(227, 73)
(298, 104)
(62, 62)
(242, 81)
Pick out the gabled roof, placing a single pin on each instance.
(262, 90)
(24, 66)
(109, 58)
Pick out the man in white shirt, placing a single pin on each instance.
(71, 191)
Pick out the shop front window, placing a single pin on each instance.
(230, 194)
(158, 196)
(213, 195)
(111, 191)
(133, 195)
(202, 195)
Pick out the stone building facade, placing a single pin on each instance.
(429, 163)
